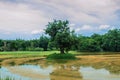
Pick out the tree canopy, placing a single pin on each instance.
(60, 33)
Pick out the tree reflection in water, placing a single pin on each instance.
(66, 72)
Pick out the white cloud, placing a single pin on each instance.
(93, 29)
(34, 32)
(72, 26)
(20, 18)
(104, 27)
(84, 28)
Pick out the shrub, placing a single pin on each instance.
(66, 56)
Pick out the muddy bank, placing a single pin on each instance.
(110, 62)
(33, 67)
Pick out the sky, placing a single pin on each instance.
(27, 19)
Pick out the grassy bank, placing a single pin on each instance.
(42, 53)
(26, 53)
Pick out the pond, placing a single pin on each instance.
(61, 71)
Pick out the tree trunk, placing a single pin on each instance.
(62, 50)
(45, 48)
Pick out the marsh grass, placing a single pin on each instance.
(7, 78)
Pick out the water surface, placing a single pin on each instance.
(56, 72)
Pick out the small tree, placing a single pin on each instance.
(60, 33)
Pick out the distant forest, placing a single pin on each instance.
(110, 41)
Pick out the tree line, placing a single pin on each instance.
(96, 42)
(61, 38)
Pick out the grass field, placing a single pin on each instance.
(45, 53)
(30, 53)
(26, 53)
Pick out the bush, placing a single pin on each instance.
(61, 56)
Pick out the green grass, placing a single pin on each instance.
(20, 54)
(27, 53)
(32, 53)
(46, 53)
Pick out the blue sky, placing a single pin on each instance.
(27, 19)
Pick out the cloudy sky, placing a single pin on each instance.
(27, 19)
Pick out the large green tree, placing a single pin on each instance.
(60, 33)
